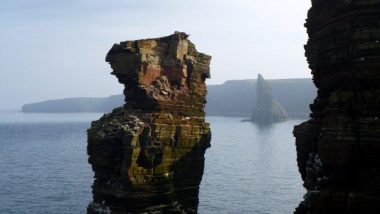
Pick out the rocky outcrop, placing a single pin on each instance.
(338, 149)
(267, 110)
(148, 156)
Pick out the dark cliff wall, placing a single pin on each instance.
(148, 156)
(338, 148)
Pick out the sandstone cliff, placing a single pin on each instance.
(148, 156)
(338, 148)
(267, 109)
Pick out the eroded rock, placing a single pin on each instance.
(338, 148)
(148, 156)
(267, 109)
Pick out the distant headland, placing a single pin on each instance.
(232, 98)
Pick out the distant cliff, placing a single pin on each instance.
(233, 98)
(238, 97)
(80, 104)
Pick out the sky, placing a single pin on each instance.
(51, 49)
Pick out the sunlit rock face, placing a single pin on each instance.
(148, 156)
(339, 147)
(267, 109)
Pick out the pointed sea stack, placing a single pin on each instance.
(267, 109)
(338, 149)
(148, 156)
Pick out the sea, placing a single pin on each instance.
(44, 165)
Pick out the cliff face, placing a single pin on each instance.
(338, 149)
(149, 155)
(267, 109)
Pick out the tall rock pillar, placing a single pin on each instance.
(267, 109)
(148, 156)
(338, 149)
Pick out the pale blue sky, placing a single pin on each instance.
(56, 49)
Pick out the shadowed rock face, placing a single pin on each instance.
(339, 148)
(267, 110)
(148, 156)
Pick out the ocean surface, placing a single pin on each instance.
(44, 168)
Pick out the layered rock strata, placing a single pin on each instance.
(267, 109)
(148, 156)
(338, 149)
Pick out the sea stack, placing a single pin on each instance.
(267, 109)
(148, 156)
(338, 149)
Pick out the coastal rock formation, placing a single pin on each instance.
(338, 149)
(148, 156)
(267, 110)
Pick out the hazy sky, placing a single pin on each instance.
(56, 48)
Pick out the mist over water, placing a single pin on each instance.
(44, 169)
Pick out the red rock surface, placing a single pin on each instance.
(148, 156)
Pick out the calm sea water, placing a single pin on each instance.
(44, 169)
